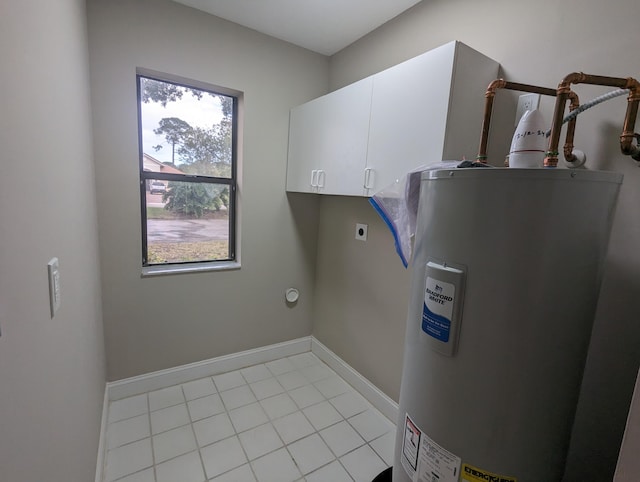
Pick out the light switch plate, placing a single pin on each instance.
(53, 268)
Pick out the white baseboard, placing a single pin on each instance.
(368, 390)
(206, 368)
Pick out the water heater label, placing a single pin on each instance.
(474, 474)
(424, 460)
(410, 446)
(437, 312)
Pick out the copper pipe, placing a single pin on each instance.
(626, 139)
(628, 134)
(571, 128)
(488, 107)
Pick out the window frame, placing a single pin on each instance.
(232, 261)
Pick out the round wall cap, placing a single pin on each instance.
(292, 295)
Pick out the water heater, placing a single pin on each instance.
(506, 274)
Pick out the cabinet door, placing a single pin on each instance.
(345, 135)
(409, 116)
(328, 142)
(304, 156)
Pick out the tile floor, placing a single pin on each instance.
(288, 420)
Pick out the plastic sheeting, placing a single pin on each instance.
(397, 204)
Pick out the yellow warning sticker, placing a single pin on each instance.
(474, 474)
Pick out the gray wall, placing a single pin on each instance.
(361, 293)
(160, 322)
(52, 371)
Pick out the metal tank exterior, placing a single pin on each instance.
(506, 276)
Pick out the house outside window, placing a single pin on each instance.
(188, 173)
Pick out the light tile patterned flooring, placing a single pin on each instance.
(289, 420)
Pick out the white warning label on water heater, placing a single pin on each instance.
(437, 312)
(410, 446)
(426, 461)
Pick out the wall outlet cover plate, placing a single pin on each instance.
(361, 231)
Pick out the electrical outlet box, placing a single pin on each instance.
(53, 268)
(361, 231)
(526, 102)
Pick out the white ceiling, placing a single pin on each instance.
(324, 26)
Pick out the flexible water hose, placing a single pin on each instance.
(579, 157)
(592, 103)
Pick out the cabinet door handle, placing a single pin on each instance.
(314, 178)
(321, 177)
(369, 177)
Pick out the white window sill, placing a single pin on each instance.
(170, 269)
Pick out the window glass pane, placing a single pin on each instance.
(185, 130)
(187, 222)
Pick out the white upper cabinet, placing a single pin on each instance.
(361, 138)
(328, 142)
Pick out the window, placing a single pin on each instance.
(187, 137)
